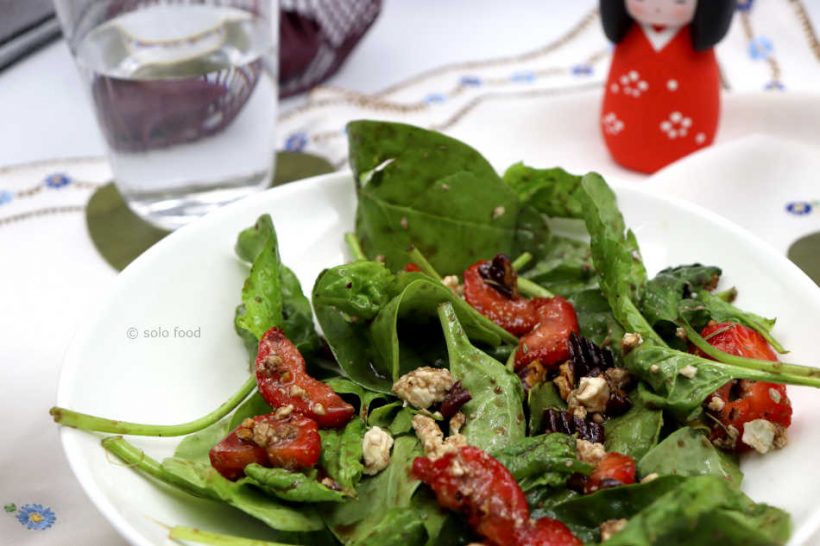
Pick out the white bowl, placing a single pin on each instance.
(191, 280)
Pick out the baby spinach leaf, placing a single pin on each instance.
(686, 291)
(380, 326)
(585, 513)
(393, 417)
(495, 416)
(636, 431)
(688, 452)
(201, 480)
(271, 295)
(297, 315)
(261, 294)
(616, 256)
(565, 268)
(704, 303)
(553, 192)
(346, 298)
(403, 423)
(541, 398)
(408, 325)
(663, 294)
(398, 527)
(422, 188)
(595, 319)
(660, 367)
(546, 459)
(341, 454)
(389, 489)
(195, 447)
(342, 385)
(542, 499)
(704, 510)
(290, 486)
(359, 289)
(252, 241)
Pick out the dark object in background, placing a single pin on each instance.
(315, 36)
(25, 26)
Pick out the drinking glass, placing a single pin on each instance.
(185, 94)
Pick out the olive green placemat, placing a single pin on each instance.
(120, 235)
(805, 252)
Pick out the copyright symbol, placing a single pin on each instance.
(132, 333)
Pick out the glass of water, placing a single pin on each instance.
(185, 94)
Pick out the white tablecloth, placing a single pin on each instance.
(519, 81)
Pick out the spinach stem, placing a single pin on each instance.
(204, 537)
(84, 421)
(529, 288)
(355, 246)
(727, 295)
(133, 456)
(510, 364)
(793, 373)
(426, 267)
(521, 261)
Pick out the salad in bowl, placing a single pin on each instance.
(480, 378)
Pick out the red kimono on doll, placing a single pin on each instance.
(662, 97)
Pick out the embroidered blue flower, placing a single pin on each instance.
(470, 81)
(296, 142)
(435, 98)
(523, 77)
(36, 517)
(57, 181)
(582, 70)
(5, 197)
(774, 86)
(799, 208)
(760, 48)
(745, 5)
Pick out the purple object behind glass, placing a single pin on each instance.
(315, 39)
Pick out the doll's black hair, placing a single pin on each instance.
(710, 25)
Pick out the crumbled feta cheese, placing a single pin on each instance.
(680, 333)
(716, 403)
(759, 434)
(610, 527)
(424, 386)
(457, 422)
(451, 282)
(403, 223)
(376, 446)
(654, 368)
(589, 452)
(630, 341)
(592, 393)
(498, 212)
(649, 477)
(688, 371)
(781, 436)
(432, 439)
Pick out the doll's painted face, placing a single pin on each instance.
(670, 13)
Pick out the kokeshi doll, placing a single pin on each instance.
(662, 96)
